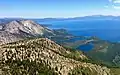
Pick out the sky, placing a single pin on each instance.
(58, 8)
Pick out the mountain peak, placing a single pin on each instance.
(24, 28)
(27, 22)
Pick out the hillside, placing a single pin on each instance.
(44, 57)
(20, 29)
(107, 52)
(104, 51)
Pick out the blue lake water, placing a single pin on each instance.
(86, 47)
(103, 29)
(75, 39)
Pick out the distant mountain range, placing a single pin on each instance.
(93, 17)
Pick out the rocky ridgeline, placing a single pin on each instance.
(16, 30)
(49, 53)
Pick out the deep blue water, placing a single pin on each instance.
(103, 29)
(75, 39)
(86, 47)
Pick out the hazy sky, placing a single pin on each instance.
(58, 8)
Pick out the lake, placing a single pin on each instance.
(86, 47)
(104, 29)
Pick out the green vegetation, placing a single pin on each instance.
(75, 54)
(82, 71)
(43, 67)
(115, 71)
(111, 56)
(26, 67)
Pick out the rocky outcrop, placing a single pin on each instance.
(16, 30)
(27, 26)
(6, 37)
(49, 53)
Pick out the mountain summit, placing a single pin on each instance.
(19, 29)
(26, 26)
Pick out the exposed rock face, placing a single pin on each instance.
(24, 28)
(1, 27)
(6, 37)
(45, 51)
(27, 26)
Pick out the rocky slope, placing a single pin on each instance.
(44, 57)
(26, 26)
(19, 29)
(6, 37)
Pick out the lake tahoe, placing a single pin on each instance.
(108, 30)
(103, 29)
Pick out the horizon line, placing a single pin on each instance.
(53, 17)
